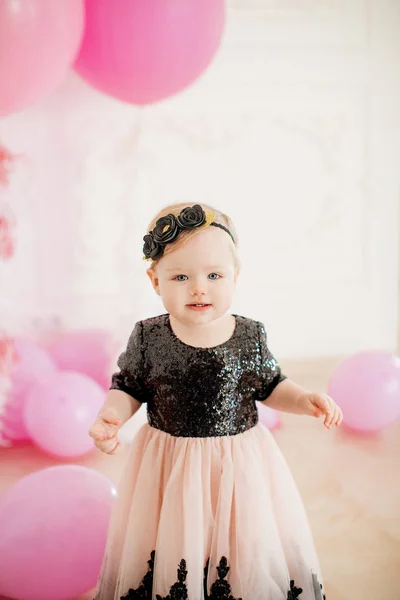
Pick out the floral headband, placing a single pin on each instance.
(169, 227)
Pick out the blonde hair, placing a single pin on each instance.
(185, 235)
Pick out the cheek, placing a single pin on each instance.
(225, 291)
(170, 290)
(164, 288)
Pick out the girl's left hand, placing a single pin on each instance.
(316, 405)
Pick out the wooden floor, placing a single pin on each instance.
(350, 485)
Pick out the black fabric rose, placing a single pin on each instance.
(166, 230)
(191, 217)
(150, 248)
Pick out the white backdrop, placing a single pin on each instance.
(293, 131)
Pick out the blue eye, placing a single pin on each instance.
(214, 276)
(181, 278)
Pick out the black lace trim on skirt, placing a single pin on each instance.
(220, 589)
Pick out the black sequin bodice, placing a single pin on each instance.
(198, 392)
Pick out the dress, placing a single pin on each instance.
(207, 507)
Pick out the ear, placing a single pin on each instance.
(154, 280)
(237, 273)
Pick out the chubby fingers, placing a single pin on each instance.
(335, 416)
(115, 449)
(320, 405)
(108, 446)
(98, 431)
(103, 430)
(109, 417)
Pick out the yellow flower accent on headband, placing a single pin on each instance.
(209, 219)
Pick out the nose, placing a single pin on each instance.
(199, 287)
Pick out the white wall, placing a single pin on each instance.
(293, 130)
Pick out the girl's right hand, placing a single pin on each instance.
(104, 431)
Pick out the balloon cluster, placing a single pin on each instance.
(134, 50)
(54, 521)
(56, 392)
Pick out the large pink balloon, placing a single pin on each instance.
(31, 365)
(59, 412)
(39, 40)
(53, 527)
(142, 51)
(89, 352)
(367, 388)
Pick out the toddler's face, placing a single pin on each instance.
(197, 280)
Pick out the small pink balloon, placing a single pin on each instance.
(144, 51)
(59, 412)
(53, 527)
(89, 352)
(367, 388)
(269, 417)
(39, 40)
(31, 364)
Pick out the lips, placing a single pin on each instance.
(198, 306)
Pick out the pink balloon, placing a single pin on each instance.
(31, 365)
(59, 412)
(268, 416)
(144, 51)
(12, 426)
(89, 352)
(53, 527)
(367, 388)
(39, 40)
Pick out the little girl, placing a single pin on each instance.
(207, 509)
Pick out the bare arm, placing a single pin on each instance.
(289, 397)
(292, 398)
(286, 397)
(121, 404)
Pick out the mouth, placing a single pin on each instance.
(198, 306)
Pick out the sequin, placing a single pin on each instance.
(198, 392)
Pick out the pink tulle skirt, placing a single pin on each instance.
(205, 518)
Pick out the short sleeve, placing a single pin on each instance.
(130, 378)
(270, 374)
